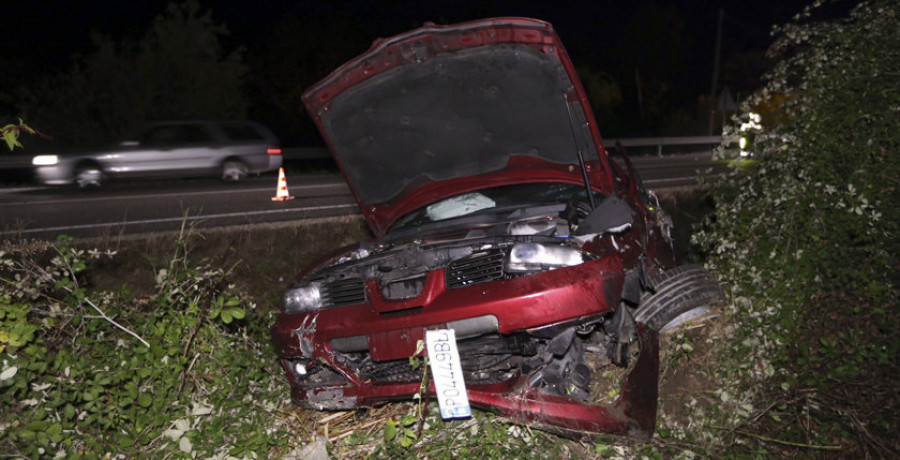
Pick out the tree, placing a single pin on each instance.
(605, 97)
(178, 69)
(654, 65)
(293, 57)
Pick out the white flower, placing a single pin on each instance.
(8, 372)
(185, 445)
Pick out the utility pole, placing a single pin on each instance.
(715, 74)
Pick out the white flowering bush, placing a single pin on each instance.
(806, 240)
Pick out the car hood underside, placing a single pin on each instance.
(445, 102)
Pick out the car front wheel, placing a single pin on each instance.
(679, 295)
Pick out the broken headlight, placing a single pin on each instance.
(302, 298)
(528, 257)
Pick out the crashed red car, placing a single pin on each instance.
(498, 213)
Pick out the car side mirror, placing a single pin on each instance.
(612, 215)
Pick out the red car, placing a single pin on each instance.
(498, 214)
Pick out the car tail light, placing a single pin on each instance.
(273, 151)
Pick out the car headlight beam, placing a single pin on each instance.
(45, 160)
(527, 257)
(303, 298)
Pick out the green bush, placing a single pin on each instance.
(806, 238)
(184, 372)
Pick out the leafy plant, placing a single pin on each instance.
(11, 133)
(401, 430)
(184, 372)
(807, 240)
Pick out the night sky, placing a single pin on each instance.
(50, 31)
(41, 37)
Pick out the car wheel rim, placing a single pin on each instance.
(89, 178)
(234, 171)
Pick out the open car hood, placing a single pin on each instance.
(441, 110)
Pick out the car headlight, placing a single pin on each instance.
(303, 298)
(45, 160)
(526, 257)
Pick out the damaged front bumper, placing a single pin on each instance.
(539, 349)
(346, 380)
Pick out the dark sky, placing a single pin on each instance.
(41, 36)
(52, 30)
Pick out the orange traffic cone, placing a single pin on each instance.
(281, 191)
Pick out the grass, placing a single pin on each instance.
(262, 259)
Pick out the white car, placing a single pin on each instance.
(172, 149)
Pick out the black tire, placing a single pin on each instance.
(684, 290)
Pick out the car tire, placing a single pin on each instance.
(89, 176)
(233, 170)
(679, 295)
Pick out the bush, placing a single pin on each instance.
(806, 238)
(184, 372)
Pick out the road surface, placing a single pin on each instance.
(129, 208)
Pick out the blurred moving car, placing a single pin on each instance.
(499, 216)
(171, 149)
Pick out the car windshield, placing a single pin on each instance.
(490, 201)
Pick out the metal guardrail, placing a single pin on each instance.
(318, 153)
(660, 142)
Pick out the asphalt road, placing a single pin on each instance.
(140, 207)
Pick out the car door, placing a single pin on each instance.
(167, 150)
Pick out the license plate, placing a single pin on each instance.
(449, 387)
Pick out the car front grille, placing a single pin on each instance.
(348, 291)
(403, 289)
(392, 371)
(482, 267)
